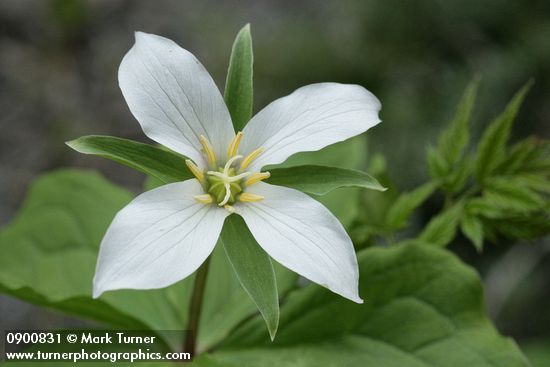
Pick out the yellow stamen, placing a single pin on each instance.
(247, 197)
(204, 199)
(208, 150)
(234, 146)
(195, 170)
(229, 208)
(256, 177)
(249, 158)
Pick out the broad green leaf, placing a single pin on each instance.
(492, 146)
(49, 253)
(538, 352)
(160, 163)
(406, 203)
(151, 183)
(442, 228)
(423, 307)
(253, 268)
(205, 360)
(238, 85)
(455, 137)
(472, 227)
(320, 180)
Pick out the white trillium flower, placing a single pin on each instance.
(165, 234)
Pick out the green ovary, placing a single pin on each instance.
(216, 187)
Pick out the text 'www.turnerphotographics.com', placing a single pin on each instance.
(94, 346)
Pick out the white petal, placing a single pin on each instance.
(161, 237)
(309, 119)
(304, 236)
(173, 97)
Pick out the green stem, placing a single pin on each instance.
(195, 308)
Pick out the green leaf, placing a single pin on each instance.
(479, 206)
(345, 202)
(539, 159)
(423, 307)
(537, 183)
(253, 268)
(472, 227)
(238, 85)
(458, 177)
(49, 252)
(437, 166)
(522, 227)
(454, 139)
(492, 146)
(538, 352)
(320, 180)
(441, 229)
(226, 304)
(160, 163)
(205, 360)
(509, 193)
(446, 163)
(406, 203)
(521, 153)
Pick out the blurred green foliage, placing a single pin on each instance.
(499, 190)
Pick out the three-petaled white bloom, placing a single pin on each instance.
(165, 234)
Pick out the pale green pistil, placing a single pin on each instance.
(217, 188)
(224, 185)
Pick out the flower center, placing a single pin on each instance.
(226, 185)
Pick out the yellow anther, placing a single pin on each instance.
(249, 158)
(229, 208)
(204, 199)
(195, 170)
(208, 150)
(247, 197)
(256, 177)
(234, 146)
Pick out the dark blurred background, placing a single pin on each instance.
(58, 81)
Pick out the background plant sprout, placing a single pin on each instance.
(424, 307)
